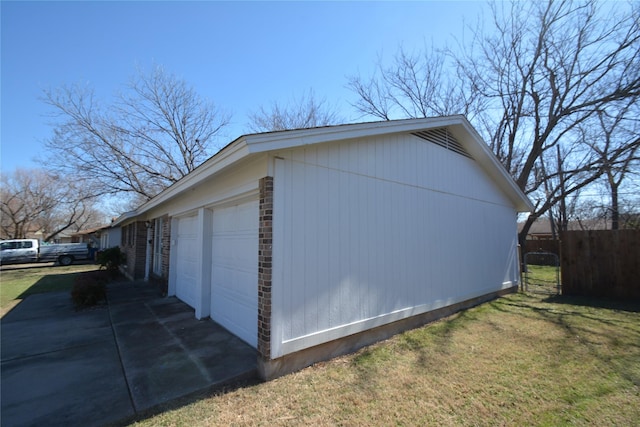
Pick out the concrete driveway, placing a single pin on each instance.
(102, 365)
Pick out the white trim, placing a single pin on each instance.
(277, 261)
(238, 193)
(296, 138)
(483, 155)
(203, 283)
(173, 257)
(225, 157)
(247, 196)
(321, 337)
(125, 217)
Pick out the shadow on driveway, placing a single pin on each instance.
(134, 355)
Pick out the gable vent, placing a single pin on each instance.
(443, 138)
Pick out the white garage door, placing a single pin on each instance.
(234, 270)
(187, 260)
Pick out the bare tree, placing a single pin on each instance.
(542, 70)
(34, 201)
(22, 201)
(594, 210)
(418, 84)
(615, 140)
(156, 132)
(302, 113)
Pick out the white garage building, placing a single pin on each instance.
(311, 243)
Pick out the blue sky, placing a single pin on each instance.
(240, 55)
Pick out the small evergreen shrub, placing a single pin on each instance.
(111, 259)
(89, 289)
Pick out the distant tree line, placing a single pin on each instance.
(37, 203)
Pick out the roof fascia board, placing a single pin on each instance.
(297, 138)
(124, 218)
(227, 156)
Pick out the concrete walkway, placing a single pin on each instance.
(103, 365)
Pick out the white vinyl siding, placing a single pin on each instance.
(371, 231)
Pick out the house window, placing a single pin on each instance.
(128, 235)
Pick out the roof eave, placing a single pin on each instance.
(124, 218)
(483, 154)
(229, 155)
(268, 142)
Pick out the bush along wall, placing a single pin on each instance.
(111, 259)
(90, 289)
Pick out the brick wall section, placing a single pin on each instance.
(265, 234)
(127, 249)
(166, 247)
(140, 249)
(134, 245)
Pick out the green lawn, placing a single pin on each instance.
(16, 283)
(541, 278)
(525, 359)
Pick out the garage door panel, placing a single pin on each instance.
(234, 269)
(226, 278)
(236, 297)
(241, 320)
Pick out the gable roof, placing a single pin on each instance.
(253, 144)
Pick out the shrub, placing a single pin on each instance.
(111, 258)
(90, 288)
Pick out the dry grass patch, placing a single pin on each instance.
(519, 360)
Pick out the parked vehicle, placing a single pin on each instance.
(31, 250)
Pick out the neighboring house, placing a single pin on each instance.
(62, 237)
(311, 243)
(39, 234)
(541, 227)
(91, 236)
(110, 237)
(104, 237)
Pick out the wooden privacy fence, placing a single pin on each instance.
(601, 263)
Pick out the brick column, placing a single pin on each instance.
(265, 234)
(140, 249)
